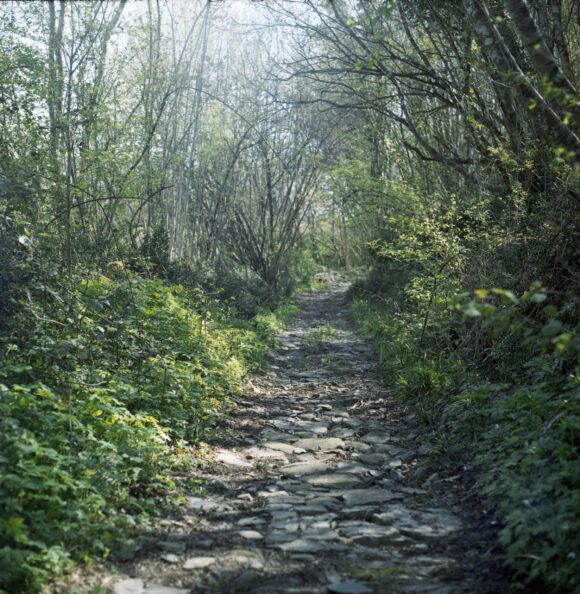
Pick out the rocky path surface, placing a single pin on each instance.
(318, 487)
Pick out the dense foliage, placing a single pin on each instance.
(158, 189)
(107, 383)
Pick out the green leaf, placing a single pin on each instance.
(506, 295)
(552, 328)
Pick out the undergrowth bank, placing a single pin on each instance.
(500, 390)
(107, 387)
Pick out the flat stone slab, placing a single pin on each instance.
(171, 545)
(285, 500)
(279, 537)
(374, 459)
(310, 510)
(280, 446)
(304, 468)
(360, 446)
(272, 435)
(261, 453)
(334, 481)
(349, 587)
(325, 501)
(375, 437)
(158, 589)
(232, 459)
(314, 444)
(301, 545)
(198, 562)
(341, 432)
(362, 512)
(252, 521)
(372, 495)
(367, 533)
(251, 534)
(284, 516)
(129, 586)
(284, 526)
(315, 427)
(428, 524)
(320, 533)
(352, 468)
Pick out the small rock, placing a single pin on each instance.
(257, 564)
(170, 558)
(198, 562)
(301, 545)
(251, 534)
(252, 521)
(205, 505)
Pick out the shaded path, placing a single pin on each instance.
(318, 488)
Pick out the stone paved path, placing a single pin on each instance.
(319, 488)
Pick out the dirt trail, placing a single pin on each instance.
(319, 487)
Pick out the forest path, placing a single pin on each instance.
(319, 487)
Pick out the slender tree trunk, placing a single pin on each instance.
(535, 45)
(193, 147)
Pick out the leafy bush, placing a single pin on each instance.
(520, 431)
(104, 383)
(525, 433)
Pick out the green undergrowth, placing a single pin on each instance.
(106, 387)
(496, 377)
